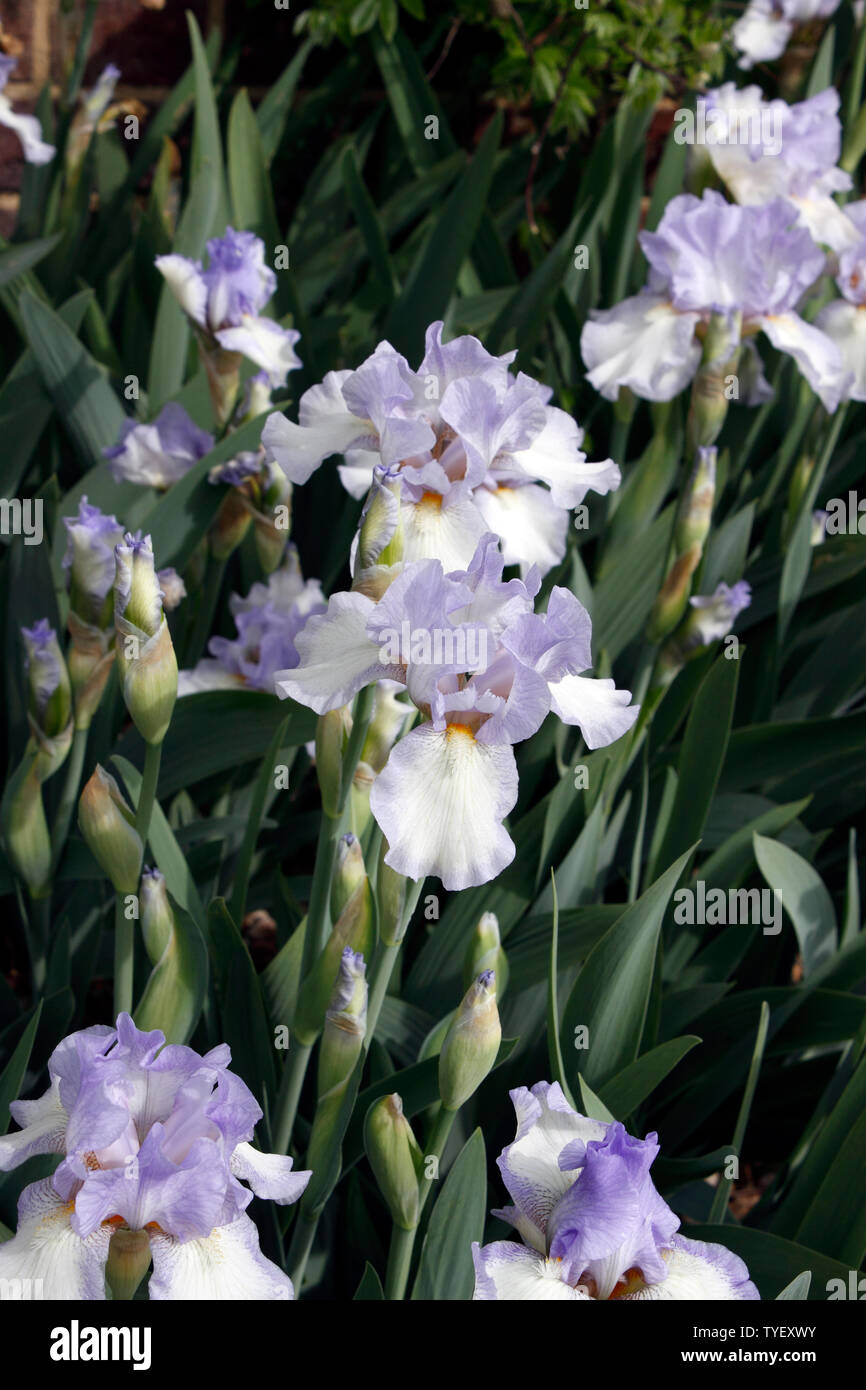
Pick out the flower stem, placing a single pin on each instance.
(254, 820)
(299, 1251)
(124, 957)
(399, 1262)
(147, 795)
(70, 796)
(402, 1245)
(291, 1085)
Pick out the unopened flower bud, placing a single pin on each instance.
(485, 953)
(355, 927)
(349, 873)
(332, 734)
(26, 841)
(710, 395)
(273, 516)
(391, 899)
(696, 508)
(157, 917)
(471, 1044)
(389, 715)
(673, 596)
(345, 1023)
(49, 700)
(380, 539)
(145, 654)
(395, 1158)
(128, 1261)
(108, 826)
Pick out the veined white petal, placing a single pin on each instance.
(326, 427)
(29, 132)
(643, 343)
(337, 656)
(698, 1270)
(603, 712)
(845, 324)
(531, 527)
(829, 224)
(187, 285)
(264, 342)
(817, 356)
(440, 801)
(505, 1270)
(434, 530)
(43, 1129)
(269, 1175)
(556, 458)
(227, 1264)
(46, 1248)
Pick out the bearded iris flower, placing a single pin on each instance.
(155, 1150)
(592, 1225)
(472, 447)
(748, 267)
(844, 320)
(791, 152)
(763, 32)
(484, 670)
(158, 454)
(268, 621)
(27, 128)
(225, 300)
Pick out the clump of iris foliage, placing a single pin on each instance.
(217, 865)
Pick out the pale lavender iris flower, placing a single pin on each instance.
(158, 454)
(484, 670)
(763, 32)
(750, 265)
(767, 149)
(592, 1225)
(268, 621)
(152, 1139)
(27, 128)
(474, 448)
(844, 320)
(225, 300)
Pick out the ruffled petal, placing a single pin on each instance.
(207, 674)
(643, 343)
(269, 1175)
(845, 324)
(760, 35)
(187, 285)
(46, 1248)
(817, 356)
(602, 712)
(326, 427)
(337, 658)
(264, 342)
(43, 1129)
(546, 1124)
(699, 1270)
(555, 456)
(29, 132)
(227, 1264)
(440, 801)
(505, 1270)
(529, 523)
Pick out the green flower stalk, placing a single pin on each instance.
(145, 654)
(108, 825)
(396, 1159)
(471, 1043)
(332, 737)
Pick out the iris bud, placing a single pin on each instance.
(485, 953)
(108, 826)
(395, 1158)
(471, 1044)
